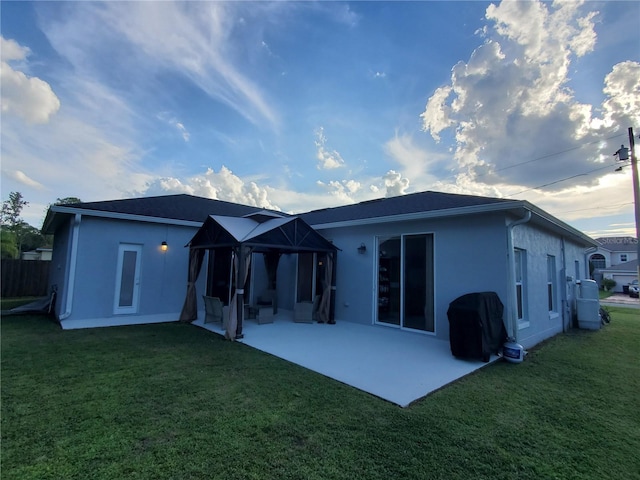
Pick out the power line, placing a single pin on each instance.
(563, 179)
(543, 157)
(556, 153)
(606, 207)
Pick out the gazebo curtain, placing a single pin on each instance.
(232, 321)
(324, 307)
(190, 308)
(271, 260)
(271, 236)
(241, 265)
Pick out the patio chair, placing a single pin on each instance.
(266, 306)
(213, 309)
(303, 312)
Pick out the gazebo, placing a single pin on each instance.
(263, 232)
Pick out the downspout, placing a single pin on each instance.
(564, 280)
(73, 258)
(511, 275)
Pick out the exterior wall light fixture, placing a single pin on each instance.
(362, 249)
(164, 247)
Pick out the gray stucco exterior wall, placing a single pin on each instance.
(162, 276)
(468, 257)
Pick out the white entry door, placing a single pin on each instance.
(127, 279)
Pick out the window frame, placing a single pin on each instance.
(552, 287)
(521, 288)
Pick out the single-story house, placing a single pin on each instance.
(42, 254)
(396, 262)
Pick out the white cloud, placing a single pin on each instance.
(24, 179)
(327, 160)
(437, 115)
(510, 104)
(622, 87)
(223, 185)
(11, 50)
(84, 151)
(417, 163)
(29, 98)
(193, 39)
(174, 123)
(344, 192)
(395, 184)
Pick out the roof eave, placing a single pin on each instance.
(61, 209)
(426, 215)
(559, 225)
(513, 206)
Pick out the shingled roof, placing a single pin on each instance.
(192, 210)
(400, 205)
(177, 207)
(182, 207)
(618, 244)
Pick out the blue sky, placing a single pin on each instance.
(304, 105)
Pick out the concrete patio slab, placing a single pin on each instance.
(395, 365)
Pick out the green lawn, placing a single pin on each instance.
(602, 294)
(173, 401)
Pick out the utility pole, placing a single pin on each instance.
(623, 155)
(636, 193)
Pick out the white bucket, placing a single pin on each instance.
(513, 352)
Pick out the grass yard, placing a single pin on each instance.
(173, 401)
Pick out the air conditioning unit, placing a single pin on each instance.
(588, 304)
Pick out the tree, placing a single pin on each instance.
(67, 201)
(8, 244)
(12, 208)
(47, 240)
(31, 238)
(11, 221)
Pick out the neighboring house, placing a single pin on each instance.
(400, 261)
(38, 254)
(623, 274)
(616, 259)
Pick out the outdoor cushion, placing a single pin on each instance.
(213, 309)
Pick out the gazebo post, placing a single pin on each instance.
(240, 277)
(332, 304)
(244, 254)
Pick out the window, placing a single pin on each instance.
(598, 261)
(551, 283)
(519, 260)
(623, 257)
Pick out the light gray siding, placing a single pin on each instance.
(539, 323)
(163, 275)
(468, 257)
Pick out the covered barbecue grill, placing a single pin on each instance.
(476, 329)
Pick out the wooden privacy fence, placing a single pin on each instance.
(25, 278)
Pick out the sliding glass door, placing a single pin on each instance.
(405, 282)
(389, 280)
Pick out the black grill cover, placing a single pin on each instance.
(476, 329)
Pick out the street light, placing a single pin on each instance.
(623, 155)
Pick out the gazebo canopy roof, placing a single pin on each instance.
(262, 233)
